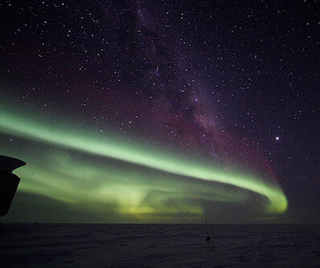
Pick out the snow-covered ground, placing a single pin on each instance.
(117, 245)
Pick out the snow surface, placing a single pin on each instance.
(181, 245)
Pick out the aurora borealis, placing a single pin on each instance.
(129, 188)
(122, 114)
(145, 157)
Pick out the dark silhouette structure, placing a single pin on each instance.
(8, 182)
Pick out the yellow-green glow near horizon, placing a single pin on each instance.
(74, 137)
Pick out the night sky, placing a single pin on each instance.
(162, 111)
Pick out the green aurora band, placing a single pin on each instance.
(68, 135)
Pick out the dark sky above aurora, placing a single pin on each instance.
(162, 111)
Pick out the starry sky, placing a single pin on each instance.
(162, 111)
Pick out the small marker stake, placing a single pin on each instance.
(209, 238)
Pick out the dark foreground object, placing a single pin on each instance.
(8, 181)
